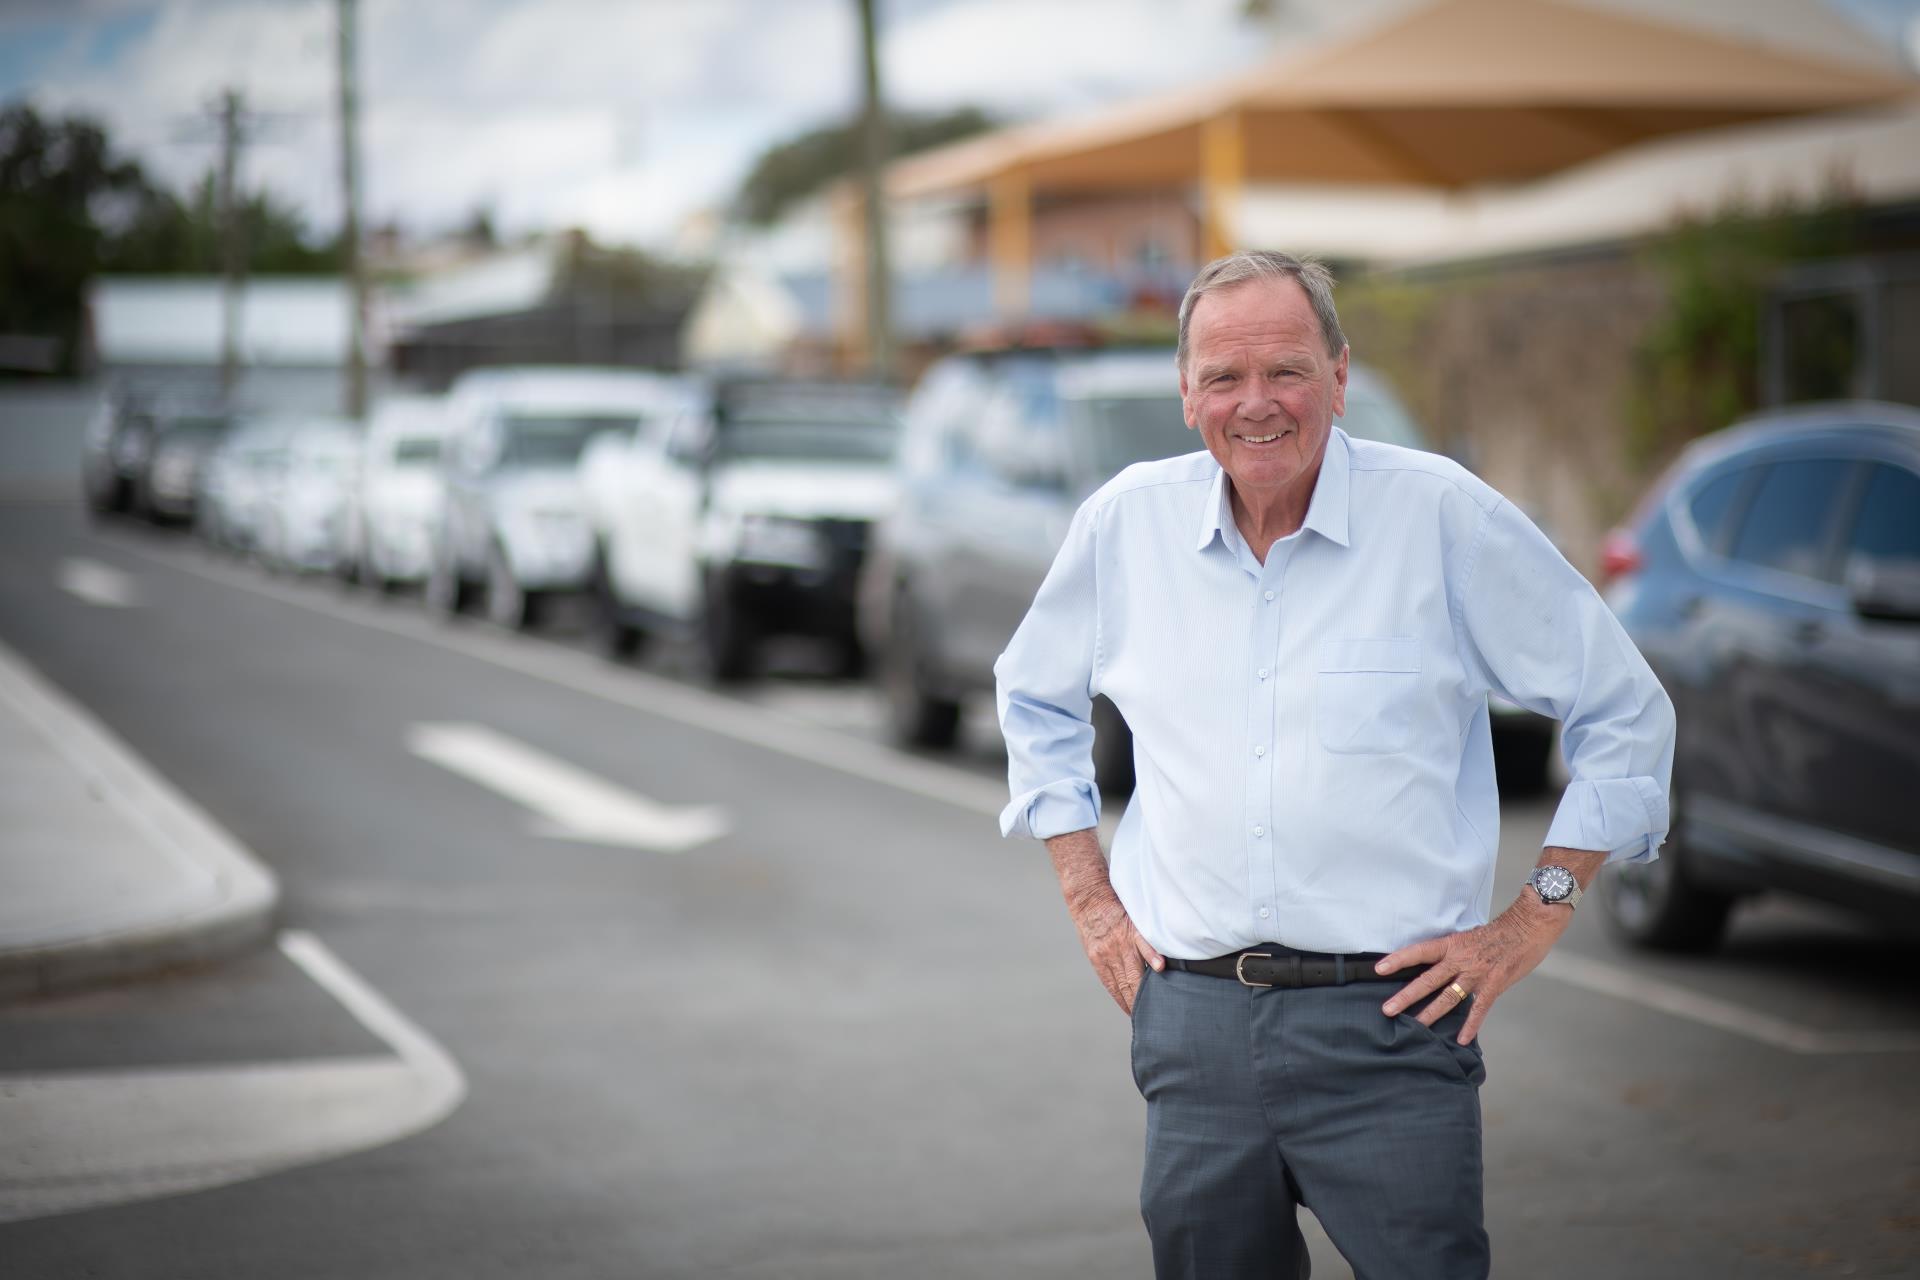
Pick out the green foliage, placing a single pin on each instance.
(1699, 367)
(55, 175)
(166, 236)
(790, 171)
(627, 275)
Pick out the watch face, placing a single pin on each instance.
(1554, 883)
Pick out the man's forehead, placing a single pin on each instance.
(1273, 309)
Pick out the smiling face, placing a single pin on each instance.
(1261, 389)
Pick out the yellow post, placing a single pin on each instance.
(1010, 240)
(1223, 172)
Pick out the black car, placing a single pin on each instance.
(1772, 579)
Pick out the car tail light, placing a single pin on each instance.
(1619, 557)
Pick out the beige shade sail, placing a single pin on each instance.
(1452, 94)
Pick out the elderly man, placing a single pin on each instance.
(1302, 630)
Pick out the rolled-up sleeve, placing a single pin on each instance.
(1043, 687)
(1542, 636)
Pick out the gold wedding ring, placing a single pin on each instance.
(1459, 991)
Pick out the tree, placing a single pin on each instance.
(166, 236)
(56, 179)
(788, 172)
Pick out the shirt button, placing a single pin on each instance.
(1259, 751)
(1269, 595)
(1259, 831)
(1263, 673)
(1263, 913)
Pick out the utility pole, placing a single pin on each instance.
(873, 159)
(351, 264)
(232, 240)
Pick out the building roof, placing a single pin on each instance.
(177, 320)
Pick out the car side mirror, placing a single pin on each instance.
(1886, 592)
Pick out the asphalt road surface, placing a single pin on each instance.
(735, 990)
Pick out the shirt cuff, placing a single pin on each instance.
(1625, 816)
(1072, 804)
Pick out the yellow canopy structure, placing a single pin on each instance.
(1453, 94)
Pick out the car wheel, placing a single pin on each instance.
(728, 643)
(1522, 761)
(508, 604)
(620, 638)
(1657, 905)
(444, 593)
(916, 717)
(1112, 750)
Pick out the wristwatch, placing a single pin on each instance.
(1556, 886)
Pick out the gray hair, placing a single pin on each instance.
(1266, 264)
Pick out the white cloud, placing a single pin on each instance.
(620, 115)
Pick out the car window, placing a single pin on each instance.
(1886, 533)
(1787, 525)
(1376, 415)
(1114, 432)
(416, 451)
(1713, 503)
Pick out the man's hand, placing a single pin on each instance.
(1487, 960)
(1115, 948)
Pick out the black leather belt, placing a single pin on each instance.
(1272, 965)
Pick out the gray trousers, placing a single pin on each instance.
(1261, 1100)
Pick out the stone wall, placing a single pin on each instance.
(1527, 370)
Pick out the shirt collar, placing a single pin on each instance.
(1326, 512)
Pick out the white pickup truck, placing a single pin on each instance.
(743, 515)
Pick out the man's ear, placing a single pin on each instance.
(1186, 414)
(1340, 384)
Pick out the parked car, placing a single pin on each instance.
(742, 515)
(999, 451)
(177, 442)
(512, 528)
(1772, 579)
(114, 449)
(305, 497)
(393, 510)
(238, 480)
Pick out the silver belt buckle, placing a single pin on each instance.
(1240, 967)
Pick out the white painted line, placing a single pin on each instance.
(97, 583)
(1669, 998)
(656, 695)
(774, 732)
(416, 1048)
(575, 804)
(86, 1139)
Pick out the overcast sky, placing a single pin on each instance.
(618, 115)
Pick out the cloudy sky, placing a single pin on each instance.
(618, 115)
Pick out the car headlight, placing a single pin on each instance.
(781, 540)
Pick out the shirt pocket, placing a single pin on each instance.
(1364, 695)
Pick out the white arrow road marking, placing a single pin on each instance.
(84, 1139)
(575, 804)
(97, 583)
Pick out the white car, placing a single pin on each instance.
(306, 499)
(238, 481)
(744, 515)
(512, 528)
(393, 513)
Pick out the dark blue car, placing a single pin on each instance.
(1772, 579)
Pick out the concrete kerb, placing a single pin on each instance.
(107, 872)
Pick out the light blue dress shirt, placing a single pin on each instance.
(1311, 736)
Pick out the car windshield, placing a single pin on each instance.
(556, 440)
(1375, 415)
(416, 451)
(1117, 431)
(814, 427)
(194, 430)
